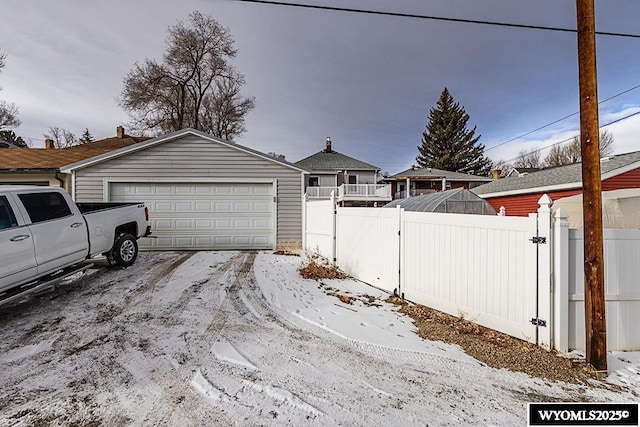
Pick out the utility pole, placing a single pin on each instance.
(594, 295)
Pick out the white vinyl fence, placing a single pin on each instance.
(622, 289)
(319, 227)
(521, 276)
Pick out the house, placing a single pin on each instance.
(353, 182)
(41, 166)
(517, 171)
(203, 192)
(422, 181)
(519, 195)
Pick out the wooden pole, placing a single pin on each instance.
(594, 295)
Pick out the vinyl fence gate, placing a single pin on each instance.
(492, 270)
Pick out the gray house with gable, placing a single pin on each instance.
(353, 181)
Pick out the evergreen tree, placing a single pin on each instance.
(447, 144)
(86, 137)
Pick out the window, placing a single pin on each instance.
(314, 181)
(353, 179)
(45, 206)
(7, 218)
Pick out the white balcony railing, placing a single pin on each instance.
(352, 192)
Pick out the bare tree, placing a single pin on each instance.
(8, 112)
(557, 156)
(571, 153)
(528, 159)
(61, 137)
(194, 86)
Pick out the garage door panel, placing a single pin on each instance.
(185, 207)
(204, 215)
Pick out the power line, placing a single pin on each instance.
(559, 120)
(433, 18)
(575, 136)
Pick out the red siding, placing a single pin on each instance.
(523, 204)
(629, 179)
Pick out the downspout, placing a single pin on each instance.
(60, 180)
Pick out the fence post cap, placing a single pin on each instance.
(545, 200)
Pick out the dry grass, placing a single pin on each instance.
(318, 268)
(494, 348)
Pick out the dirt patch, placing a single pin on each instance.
(317, 268)
(493, 348)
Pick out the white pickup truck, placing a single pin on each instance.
(43, 233)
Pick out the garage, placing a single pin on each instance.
(203, 192)
(204, 215)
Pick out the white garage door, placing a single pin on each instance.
(204, 215)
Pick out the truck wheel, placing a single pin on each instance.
(125, 250)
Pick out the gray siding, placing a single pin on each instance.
(364, 177)
(194, 157)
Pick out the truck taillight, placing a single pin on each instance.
(146, 213)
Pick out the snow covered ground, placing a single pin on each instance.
(235, 338)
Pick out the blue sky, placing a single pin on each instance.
(366, 81)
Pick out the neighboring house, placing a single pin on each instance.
(422, 181)
(515, 172)
(7, 144)
(41, 166)
(353, 182)
(203, 192)
(519, 195)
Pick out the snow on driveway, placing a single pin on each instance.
(238, 338)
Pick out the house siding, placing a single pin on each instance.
(629, 179)
(524, 204)
(324, 180)
(364, 177)
(33, 177)
(192, 157)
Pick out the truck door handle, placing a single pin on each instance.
(19, 238)
(76, 225)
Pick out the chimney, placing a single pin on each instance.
(496, 173)
(328, 149)
(119, 132)
(48, 144)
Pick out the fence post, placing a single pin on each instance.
(304, 222)
(560, 281)
(544, 270)
(334, 237)
(401, 250)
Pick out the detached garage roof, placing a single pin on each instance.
(166, 138)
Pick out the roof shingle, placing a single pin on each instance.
(41, 158)
(333, 161)
(432, 173)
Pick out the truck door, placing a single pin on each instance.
(18, 262)
(60, 235)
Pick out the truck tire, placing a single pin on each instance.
(125, 250)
